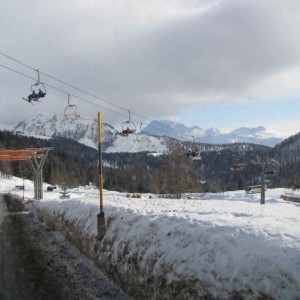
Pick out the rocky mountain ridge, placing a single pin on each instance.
(256, 135)
(84, 130)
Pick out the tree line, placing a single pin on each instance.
(75, 164)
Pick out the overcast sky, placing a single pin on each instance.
(222, 63)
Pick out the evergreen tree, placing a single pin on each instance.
(64, 194)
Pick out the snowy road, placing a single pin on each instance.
(37, 263)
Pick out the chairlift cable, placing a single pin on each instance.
(117, 106)
(8, 68)
(17, 61)
(82, 99)
(92, 95)
(102, 99)
(63, 91)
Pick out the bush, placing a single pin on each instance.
(134, 195)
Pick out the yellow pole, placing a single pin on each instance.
(100, 217)
(100, 161)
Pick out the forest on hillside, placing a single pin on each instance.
(72, 163)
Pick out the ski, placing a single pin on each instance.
(27, 101)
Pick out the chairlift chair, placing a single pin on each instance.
(194, 154)
(41, 87)
(70, 111)
(271, 168)
(269, 171)
(238, 167)
(128, 127)
(40, 94)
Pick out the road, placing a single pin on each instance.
(38, 263)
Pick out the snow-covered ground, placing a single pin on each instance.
(219, 245)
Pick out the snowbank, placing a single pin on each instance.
(225, 245)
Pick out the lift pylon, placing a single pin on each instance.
(37, 157)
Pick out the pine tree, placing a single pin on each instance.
(64, 194)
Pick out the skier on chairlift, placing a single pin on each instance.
(36, 96)
(41, 94)
(32, 96)
(193, 153)
(127, 131)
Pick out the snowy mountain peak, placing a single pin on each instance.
(156, 138)
(212, 131)
(170, 128)
(82, 129)
(85, 130)
(255, 135)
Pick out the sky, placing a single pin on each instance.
(210, 63)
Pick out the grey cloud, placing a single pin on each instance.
(226, 51)
(155, 69)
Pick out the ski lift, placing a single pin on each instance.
(41, 93)
(142, 136)
(70, 111)
(128, 127)
(269, 172)
(238, 167)
(42, 86)
(271, 168)
(194, 154)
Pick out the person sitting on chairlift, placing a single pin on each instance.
(193, 153)
(41, 94)
(32, 96)
(36, 96)
(127, 131)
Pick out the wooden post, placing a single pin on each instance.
(100, 216)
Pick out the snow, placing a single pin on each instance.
(42, 137)
(138, 143)
(84, 130)
(257, 135)
(81, 129)
(219, 244)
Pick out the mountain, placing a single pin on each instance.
(256, 135)
(158, 136)
(171, 129)
(84, 130)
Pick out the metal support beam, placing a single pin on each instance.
(32, 154)
(38, 174)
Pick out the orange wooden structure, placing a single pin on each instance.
(37, 157)
(23, 151)
(14, 157)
